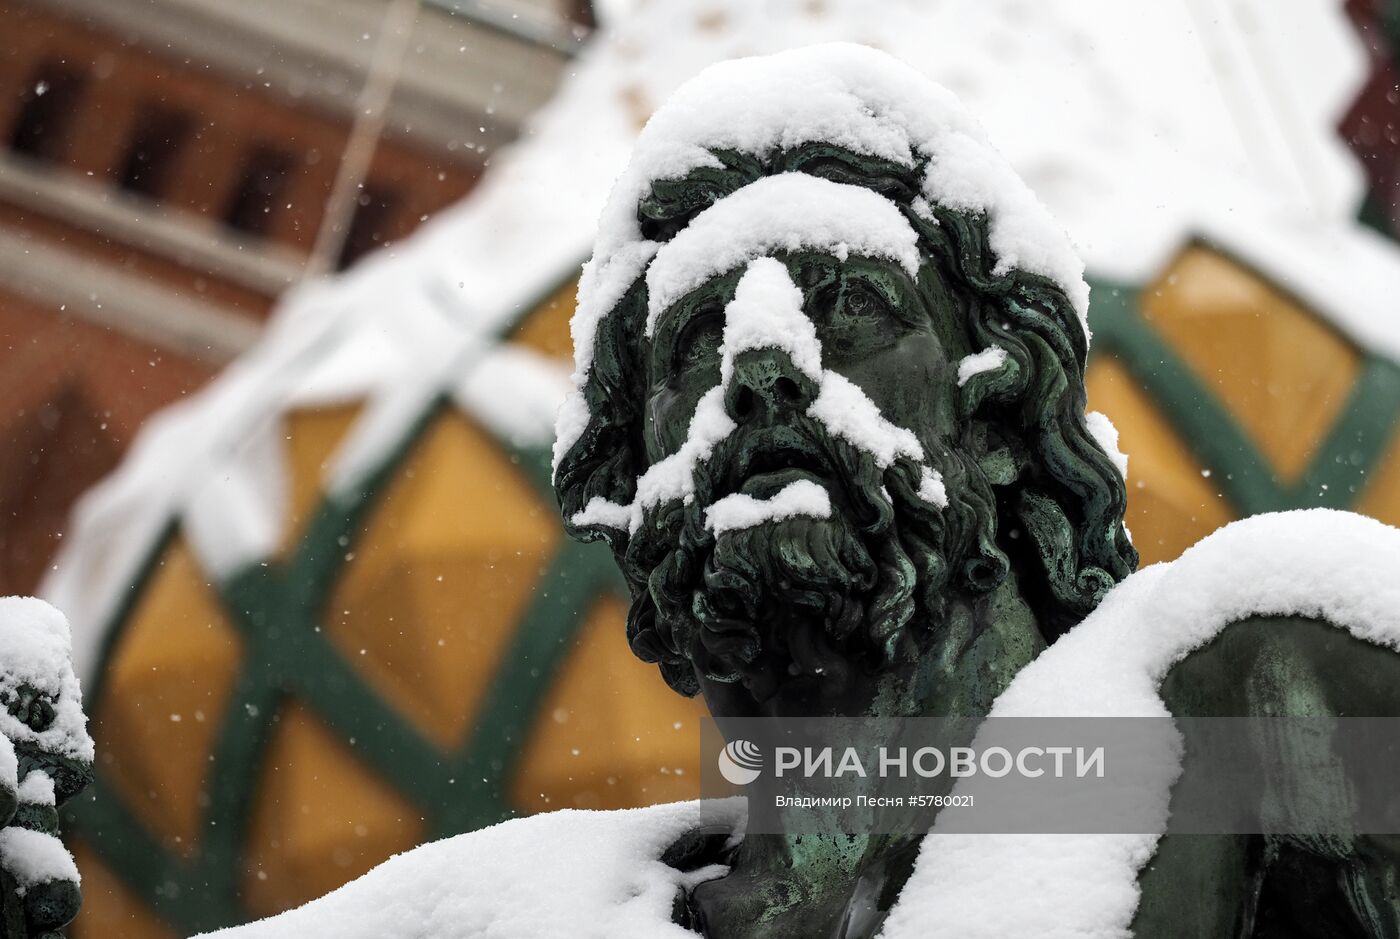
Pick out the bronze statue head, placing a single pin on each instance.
(818, 413)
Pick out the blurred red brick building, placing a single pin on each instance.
(165, 170)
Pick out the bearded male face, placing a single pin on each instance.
(820, 537)
(829, 411)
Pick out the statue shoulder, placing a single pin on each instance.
(1271, 599)
(1284, 666)
(1292, 613)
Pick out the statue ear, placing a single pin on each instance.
(991, 402)
(1000, 454)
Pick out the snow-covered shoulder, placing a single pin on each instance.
(569, 873)
(1335, 567)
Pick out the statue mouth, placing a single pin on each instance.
(766, 485)
(771, 459)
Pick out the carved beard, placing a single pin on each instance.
(866, 588)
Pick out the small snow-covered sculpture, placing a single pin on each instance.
(45, 759)
(830, 419)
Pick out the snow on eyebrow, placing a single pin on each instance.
(801, 497)
(787, 212)
(766, 313)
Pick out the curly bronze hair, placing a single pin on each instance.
(1053, 482)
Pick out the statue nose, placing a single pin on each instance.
(766, 387)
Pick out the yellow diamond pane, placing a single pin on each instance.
(546, 328)
(1381, 496)
(1172, 502)
(440, 577)
(166, 689)
(320, 817)
(611, 733)
(110, 910)
(311, 440)
(1282, 371)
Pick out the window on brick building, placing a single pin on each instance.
(261, 182)
(369, 227)
(157, 141)
(48, 109)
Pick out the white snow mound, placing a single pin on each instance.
(34, 858)
(566, 873)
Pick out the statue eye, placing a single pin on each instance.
(861, 300)
(699, 340)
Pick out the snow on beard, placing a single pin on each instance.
(805, 547)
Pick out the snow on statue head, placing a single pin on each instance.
(830, 399)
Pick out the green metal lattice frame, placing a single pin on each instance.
(277, 609)
(1338, 470)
